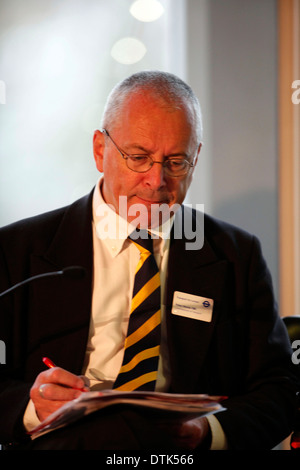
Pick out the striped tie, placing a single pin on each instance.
(140, 363)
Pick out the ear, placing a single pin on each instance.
(198, 153)
(98, 149)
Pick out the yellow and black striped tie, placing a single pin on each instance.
(140, 363)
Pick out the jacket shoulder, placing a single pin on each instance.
(230, 240)
(39, 229)
(216, 227)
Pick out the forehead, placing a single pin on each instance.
(155, 118)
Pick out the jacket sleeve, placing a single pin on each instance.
(14, 393)
(263, 415)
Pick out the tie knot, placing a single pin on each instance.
(143, 239)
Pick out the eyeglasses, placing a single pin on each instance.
(173, 167)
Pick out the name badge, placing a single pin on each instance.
(192, 306)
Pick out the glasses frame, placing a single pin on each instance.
(125, 156)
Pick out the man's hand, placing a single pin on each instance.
(190, 434)
(53, 388)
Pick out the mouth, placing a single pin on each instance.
(152, 201)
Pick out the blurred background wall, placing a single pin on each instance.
(59, 59)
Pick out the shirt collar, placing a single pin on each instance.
(113, 230)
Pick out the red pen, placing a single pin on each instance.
(50, 364)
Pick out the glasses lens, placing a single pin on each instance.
(143, 163)
(139, 163)
(176, 167)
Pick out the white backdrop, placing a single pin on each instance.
(57, 69)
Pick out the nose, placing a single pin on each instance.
(155, 177)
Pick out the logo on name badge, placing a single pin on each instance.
(192, 306)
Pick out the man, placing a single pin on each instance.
(147, 150)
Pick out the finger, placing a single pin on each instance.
(57, 375)
(54, 392)
(86, 381)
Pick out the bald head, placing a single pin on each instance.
(167, 90)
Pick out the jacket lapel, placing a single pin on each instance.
(203, 274)
(64, 305)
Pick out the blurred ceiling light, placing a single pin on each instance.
(146, 10)
(128, 51)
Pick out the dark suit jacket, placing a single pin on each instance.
(242, 353)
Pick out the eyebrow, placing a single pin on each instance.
(138, 147)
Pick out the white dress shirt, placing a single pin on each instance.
(115, 261)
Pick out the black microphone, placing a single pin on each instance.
(72, 272)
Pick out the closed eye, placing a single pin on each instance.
(176, 163)
(138, 158)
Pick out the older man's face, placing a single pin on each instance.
(146, 126)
